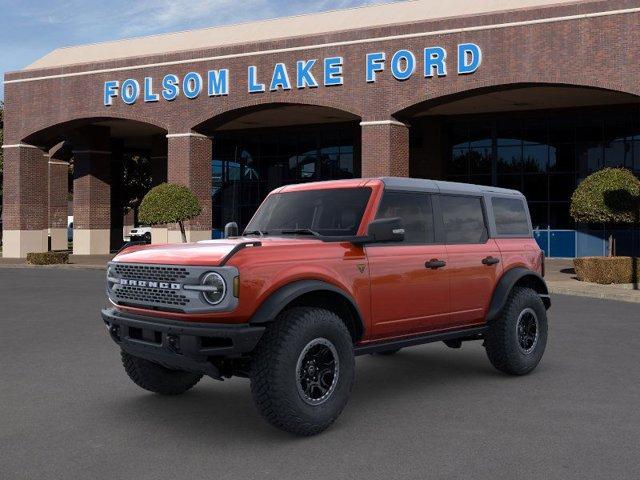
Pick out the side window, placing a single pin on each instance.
(463, 219)
(511, 216)
(415, 211)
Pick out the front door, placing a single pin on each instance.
(409, 280)
(474, 260)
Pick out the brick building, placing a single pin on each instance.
(534, 97)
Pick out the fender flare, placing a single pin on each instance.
(506, 283)
(273, 305)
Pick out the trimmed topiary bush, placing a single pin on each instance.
(169, 203)
(48, 258)
(607, 270)
(609, 196)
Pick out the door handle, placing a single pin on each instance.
(490, 260)
(435, 263)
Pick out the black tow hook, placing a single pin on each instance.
(114, 331)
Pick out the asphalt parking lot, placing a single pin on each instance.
(67, 409)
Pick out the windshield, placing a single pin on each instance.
(335, 212)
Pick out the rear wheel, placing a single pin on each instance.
(156, 378)
(303, 370)
(515, 341)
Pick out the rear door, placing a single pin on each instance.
(407, 296)
(474, 260)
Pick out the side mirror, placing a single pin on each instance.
(386, 230)
(231, 230)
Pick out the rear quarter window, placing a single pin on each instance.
(511, 217)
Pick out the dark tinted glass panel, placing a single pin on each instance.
(559, 217)
(539, 214)
(459, 163)
(562, 157)
(534, 158)
(561, 186)
(618, 154)
(510, 159)
(480, 160)
(513, 182)
(535, 188)
(511, 216)
(415, 211)
(463, 219)
(335, 212)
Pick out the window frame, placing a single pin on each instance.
(489, 200)
(485, 217)
(438, 238)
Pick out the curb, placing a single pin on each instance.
(615, 296)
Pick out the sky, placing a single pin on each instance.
(30, 29)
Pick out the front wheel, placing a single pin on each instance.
(516, 340)
(303, 370)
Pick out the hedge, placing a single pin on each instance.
(607, 270)
(168, 203)
(48, 258)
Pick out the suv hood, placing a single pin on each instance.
(206, 253)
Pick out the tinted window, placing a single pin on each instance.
(415, 211)
(463, 219)
(330, 212)
(511, 216)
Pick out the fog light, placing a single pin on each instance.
(215, 288)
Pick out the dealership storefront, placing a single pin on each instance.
(534, 98)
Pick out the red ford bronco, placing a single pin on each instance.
(324, 272)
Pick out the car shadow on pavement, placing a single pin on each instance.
(213, 409)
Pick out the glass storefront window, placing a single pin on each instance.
(543, 154)
(249, 164)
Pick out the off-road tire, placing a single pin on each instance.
(274, 375)
(502, 342)
(156, 378)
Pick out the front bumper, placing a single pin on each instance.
(180, 345)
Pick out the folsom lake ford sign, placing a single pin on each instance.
(309, 73)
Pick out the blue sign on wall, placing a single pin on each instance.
(307, 73)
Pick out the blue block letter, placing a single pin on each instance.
(149, 96)
(170, 87)
(192, 85)
(280, 78)
(218, 82)
(400, 71)
(333, 71)
(130, 91)
(469, 58)
(434, 57)
(375, 63)
(110, 92)
(304, 77)
(254, 86)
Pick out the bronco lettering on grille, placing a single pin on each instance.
(148, 284)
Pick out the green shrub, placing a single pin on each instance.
(607, 270)
(169, 203)
(609, 195)
(48, 258)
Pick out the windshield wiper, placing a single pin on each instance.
(300, 231)
(255, 232)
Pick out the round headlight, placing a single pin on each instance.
(215, 288)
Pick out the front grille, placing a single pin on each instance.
(140, 295)
(156, 273)
(164, 287)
